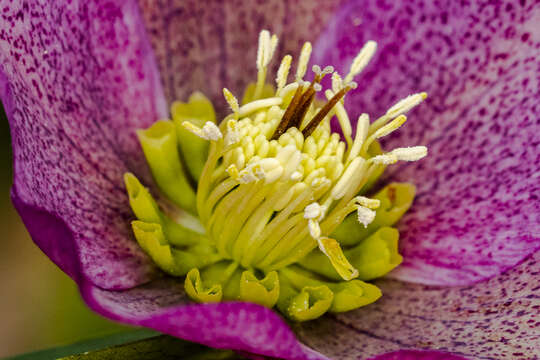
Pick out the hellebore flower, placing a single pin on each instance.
(78, 78)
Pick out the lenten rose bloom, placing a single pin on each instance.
(78, 78)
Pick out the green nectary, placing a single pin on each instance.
(258, 208)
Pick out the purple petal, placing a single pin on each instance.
(417, 355)
(208, 45)
(477, 210)
(495, 319)
(76, 79)
(161, 305)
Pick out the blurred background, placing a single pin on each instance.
(40, 306)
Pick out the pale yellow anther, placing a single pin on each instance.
(259, 105)
(264, 48)
(232, 135)
(385, 159)
(343, 118)
(361, 60)
(367, 202)
(232, 101)
(314, 229)
(208, 132)
(343, 184)
(305, 54)
(362, 128)
(337, 82)
(383, 131)
(412, 153)
(406, 104)
(283, 73)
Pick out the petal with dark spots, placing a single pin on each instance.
(209, 45)
(494, 319)
(477, 210)
(75, 88)
(417, 355)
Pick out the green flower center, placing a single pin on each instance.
(269, 194)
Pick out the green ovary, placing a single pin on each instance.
(269, 206)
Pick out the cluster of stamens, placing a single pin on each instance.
(269, 184)
(278, 181)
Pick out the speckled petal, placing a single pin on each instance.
(477, 210)
(417, 355)
(76, 80)
(161, 305)
(208, 45)
(496, 320)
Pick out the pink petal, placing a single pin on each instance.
(76, 80)
(417, 355)
(477, 210)
(208, 45)
(495, 319)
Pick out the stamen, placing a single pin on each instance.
(332, 250)
(308, 130)
(258, 105)
(232, 101)
(337, 82)
(361, 60)
(284, 123)
(406, 104)
(343, 118)
(305, 54)
(314, 229)
(399, 108)
(314, 211)
(412, 153)
(367, 202)
(283, 73)
(344, 183)
(232, 136)
(365, 215)
(267, 47)
(362, 128)
(385, 130)
(208, 132)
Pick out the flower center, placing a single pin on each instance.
(276, 184)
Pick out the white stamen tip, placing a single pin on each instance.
(361, 60)
(231, 100)
(305, 54)
(365, 215)
(328, 69)
(412, 153)
(316, 69)
(283, 72)
(406, 104)
(314, 211)
(317, 87)
(314, 229)
(352, 84)
(211, 131)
